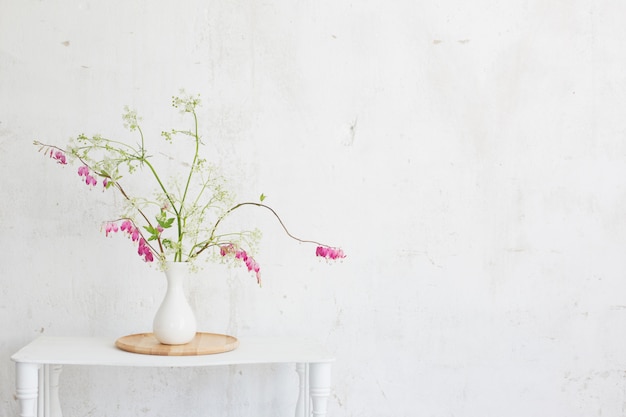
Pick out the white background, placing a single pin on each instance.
(469, 156)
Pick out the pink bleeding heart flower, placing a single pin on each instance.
(329, 253)
(241, 254)
(126, 226)
(134, 234)
(59, 156)
(251, 264)
(83, 171)
(227, 249)
(144, 250)
(111, 227)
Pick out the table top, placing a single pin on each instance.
(102, 351)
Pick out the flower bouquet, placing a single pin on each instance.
(181, 219)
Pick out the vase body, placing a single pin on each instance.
(175, 322)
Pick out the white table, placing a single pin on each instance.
(38, 366)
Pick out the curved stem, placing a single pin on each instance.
(119, 187)
(142, 236)
(121, 190)
(249, 203)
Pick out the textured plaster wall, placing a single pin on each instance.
(469, 157)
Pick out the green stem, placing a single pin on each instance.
(143, 148)
(156, 176)
(178, 255)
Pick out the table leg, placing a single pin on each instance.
(319, 387)
(52, 390)
(304, 400)
(27, 387)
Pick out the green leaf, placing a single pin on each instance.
(262, 197)
(151, 230)
(163, 221)
(168, 223)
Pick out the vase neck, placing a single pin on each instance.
(176, 273)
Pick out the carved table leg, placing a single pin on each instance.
(304, 400)
(319, 387)
(27, 384)
(52, 390)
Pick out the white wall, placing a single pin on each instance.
(468, 156)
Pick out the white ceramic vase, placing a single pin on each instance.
(175, 322)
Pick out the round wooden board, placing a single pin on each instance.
(202, 344)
